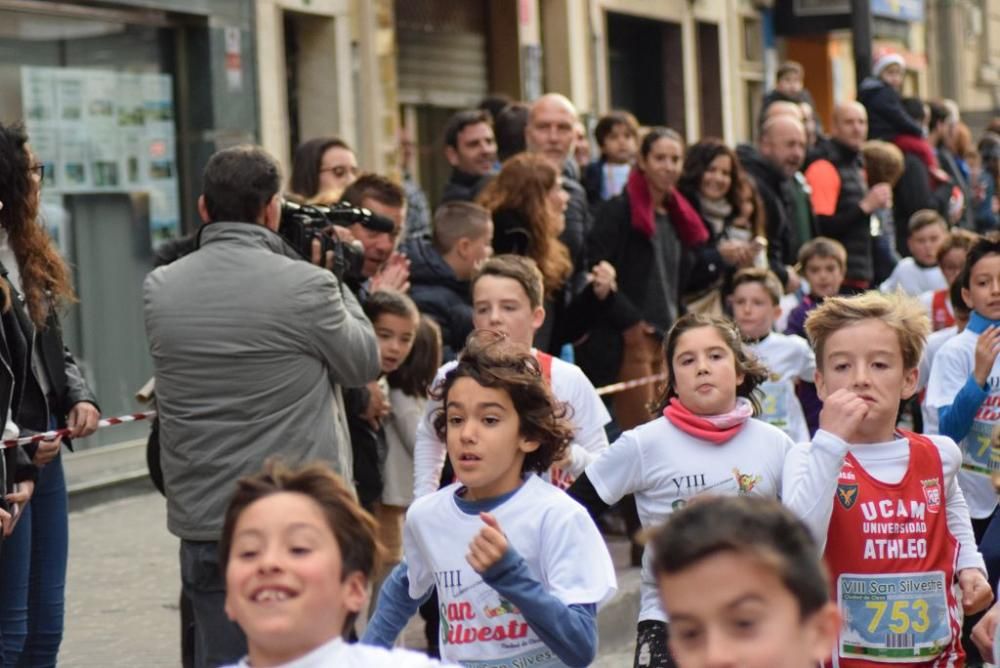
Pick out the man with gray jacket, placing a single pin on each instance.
(250, 344)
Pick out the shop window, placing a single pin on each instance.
(97, 97)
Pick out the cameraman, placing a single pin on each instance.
(384, 268)
(249, 344)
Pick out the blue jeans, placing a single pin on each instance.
(218, 641)
(33, 575)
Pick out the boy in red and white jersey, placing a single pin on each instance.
(898, 540)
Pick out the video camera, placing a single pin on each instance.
(301, 224)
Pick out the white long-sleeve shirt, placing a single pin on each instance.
(569, 385)
(812, 470)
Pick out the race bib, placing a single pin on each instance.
(895, 618)
(775, 406)
(976, 448)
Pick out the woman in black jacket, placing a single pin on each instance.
(53, 394)
(528, 203)
(643, 233)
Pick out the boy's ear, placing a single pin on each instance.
(967, 298)
(820, 383)
(526, 445)
(537, 317)
(777, 313)
(910, 378)
(820, 631)
(354, 592)
(461, 247)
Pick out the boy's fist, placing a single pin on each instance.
(842, 413)
(489, 545)
(976, 592)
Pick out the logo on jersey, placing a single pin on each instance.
(746, 482)
(847, 494)
(932, 494)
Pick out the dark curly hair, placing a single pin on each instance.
(696, 161)
(493, 361)
(754, 372)
(45, 278)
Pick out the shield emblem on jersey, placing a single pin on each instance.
(847, 494)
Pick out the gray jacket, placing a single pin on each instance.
(249, 345)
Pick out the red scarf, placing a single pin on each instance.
(713, 428)
(686, 221)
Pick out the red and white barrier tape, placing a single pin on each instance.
(49, 435)
(146, 415)
(615, 388)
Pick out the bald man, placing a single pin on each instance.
(550, 131)
(840, 196)
(773, 165)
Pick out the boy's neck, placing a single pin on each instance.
(882, 433)
(491, 493)
(756, 337)
(612, 161)
(262, 657)
(452, 260)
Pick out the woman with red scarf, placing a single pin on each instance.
(643, 233)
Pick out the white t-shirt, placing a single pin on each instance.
(338, 654)
(664, 468)
(934, 343)
(560, 545)
(788, 359)
(914, 279)
(569, 385)
(812, 474)
(953, 365)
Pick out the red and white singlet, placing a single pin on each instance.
(892, 562)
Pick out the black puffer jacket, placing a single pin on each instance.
(886, 116)
(775, 191)
(848, 224)
(463, 186)
(439, 294)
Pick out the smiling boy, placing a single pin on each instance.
(885, 503)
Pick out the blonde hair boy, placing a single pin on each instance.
(886, 501)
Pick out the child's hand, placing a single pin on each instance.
(987, 347)
(489, 545)
(842, 413)
(984, 631)
(976, 592)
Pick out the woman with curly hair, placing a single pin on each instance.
(528, 205)
(52, 394)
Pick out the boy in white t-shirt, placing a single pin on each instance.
(755, 302)
(964, 385)
(518, 566)
(507, 293)
(920, 273)
(704, 443)
(885, 504)
(298, 551)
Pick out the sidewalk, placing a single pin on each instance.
(123, 583)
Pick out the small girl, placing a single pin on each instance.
(518, 567)
(297, 552)
(408, 388)
(704, 443)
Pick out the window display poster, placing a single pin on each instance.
(106, 131)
